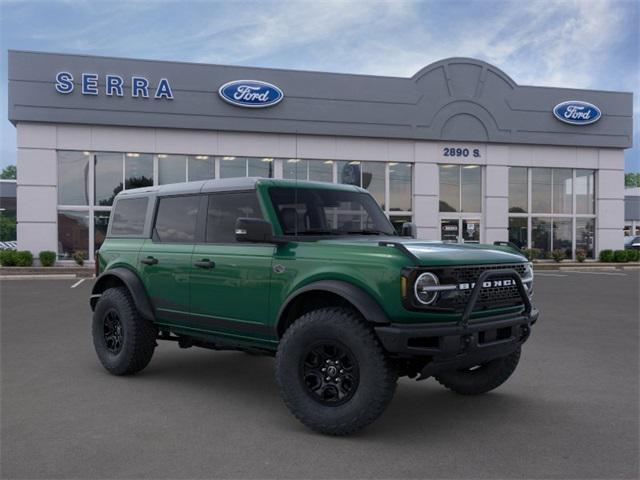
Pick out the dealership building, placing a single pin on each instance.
(459, 148)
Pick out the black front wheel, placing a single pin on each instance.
(123, 340)
(332, 373)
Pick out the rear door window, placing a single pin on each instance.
(224, 210)
(129, 216)
(176, 219)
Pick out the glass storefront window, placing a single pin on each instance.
(73, 178)
(398, 220)
(108, 177)
(400, 187)
(260, 167)
(373, 180)
(294, 168)
(541, 235)
(138, 170)
(585, 191)
(449, 230)
(471, 231)
(541, 190)
(73, 233)
(471, 192)
(562, 235)
(320, 170)
(585, 235)
(201, 167)
(518, 231)
(171, 169)
(100, 224)
(518, 190)
(231, 167)
(449, 188)
(562, 190)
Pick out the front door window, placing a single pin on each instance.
(460, 230)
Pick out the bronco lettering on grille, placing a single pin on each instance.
(488, 284)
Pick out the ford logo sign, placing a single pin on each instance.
(250, 93)
(576, 112)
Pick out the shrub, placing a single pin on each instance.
(79, 256)
(581, 254)
(531, 253)
(558, 255)
(47, 258)
(620, 256)
(24, 258)
(633, 255)
(8, 258)
(606, 256)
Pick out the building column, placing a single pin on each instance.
(610, 200)
(426, 193)
(36, 189)
(496, 203)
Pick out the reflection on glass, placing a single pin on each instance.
(400, 186)
(541, 235)
(541, 190)
(73, 233)
(100, 222)
(320, 171)
(518, 190)
(449, 188)
(585, 235)
(171, 169)
(562, 235)
(585, 191)
(108, 181)
(518, 231)
(398, 220)
(373, 180)
(471, 188)
(562, 190)
(73, 174)
(231, 167)
(201, 167)
(449, 230)
(260, 167)
(350, 173)
(138, 170)
(295, 168)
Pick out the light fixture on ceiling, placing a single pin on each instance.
(134, 155)
(162, 155)
(228, 158)
(267, 159)
(202, 157)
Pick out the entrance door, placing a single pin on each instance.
(460, 230)
(230, 281)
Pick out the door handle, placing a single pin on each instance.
(204, 263)
(149, 261)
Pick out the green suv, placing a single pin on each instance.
(315, 275)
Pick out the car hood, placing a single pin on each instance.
(436, 253)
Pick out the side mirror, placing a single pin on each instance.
(253, 230)
(408, 230)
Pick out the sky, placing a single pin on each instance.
(570, 43)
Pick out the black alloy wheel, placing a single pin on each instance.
(113, 333)
(330, 373)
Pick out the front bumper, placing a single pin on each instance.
(451, 346)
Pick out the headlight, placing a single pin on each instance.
(425, 288)
(527, 278)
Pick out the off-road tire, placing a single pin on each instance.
(483, 379)
(138, 334)
(377, 378)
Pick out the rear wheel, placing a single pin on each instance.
(481, 378)
(123, 340)
(332, 373)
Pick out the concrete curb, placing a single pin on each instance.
(585, 266)
(54, 276)
(80, 272)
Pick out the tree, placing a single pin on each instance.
(9, 172)
(632, 180)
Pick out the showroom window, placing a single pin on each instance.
(460, 203)
(552, 209)
(89, 181)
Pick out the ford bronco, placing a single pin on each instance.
(314, 274)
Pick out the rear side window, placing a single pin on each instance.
(224, 210)
(128, 216)
(176, 219)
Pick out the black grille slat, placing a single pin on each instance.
(491, 297)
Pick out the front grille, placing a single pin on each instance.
(491, 297)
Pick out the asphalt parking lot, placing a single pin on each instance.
(569, 411)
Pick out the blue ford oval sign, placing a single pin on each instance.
(576, 112)
(250, 93)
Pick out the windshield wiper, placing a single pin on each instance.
(366, 232)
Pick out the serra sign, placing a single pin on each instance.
(113, 85)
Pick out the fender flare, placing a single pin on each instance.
(133, 284)
(361, 300)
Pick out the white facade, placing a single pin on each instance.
(37, 181)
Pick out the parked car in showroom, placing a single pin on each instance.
(632, 242)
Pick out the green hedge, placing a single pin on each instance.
(606, 256)
(47, 258)
(558, 255)
(8, 258)
(620, 256)
(633, 255)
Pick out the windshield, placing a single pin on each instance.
(318, 211)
